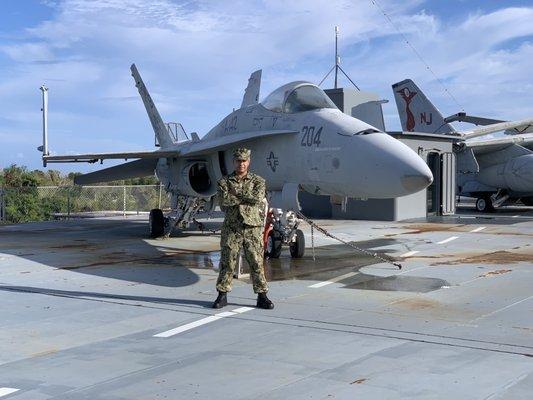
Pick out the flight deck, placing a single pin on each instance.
(92, 309)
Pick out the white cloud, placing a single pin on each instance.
(196, 56)
(28, 52)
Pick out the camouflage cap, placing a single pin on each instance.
(241, 154)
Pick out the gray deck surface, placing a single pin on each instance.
(82, 301)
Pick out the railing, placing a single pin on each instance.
(176, 131)
(41, 203)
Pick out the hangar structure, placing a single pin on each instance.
(435, 149)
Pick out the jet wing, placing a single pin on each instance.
(229, 141)
(496, 151)
(501, 126)
(471, 119)
(93, 157)
(132, 169)
(488, 146)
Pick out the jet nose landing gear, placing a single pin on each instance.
(281, 229)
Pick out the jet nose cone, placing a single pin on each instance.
(413, 182)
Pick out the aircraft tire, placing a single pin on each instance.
(484, 204)
(156, 223)
(528, 201)
(298, 246)
(273, 245)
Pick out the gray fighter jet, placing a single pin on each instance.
(299, 141)
(492, 170)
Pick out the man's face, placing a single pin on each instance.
(241, 166)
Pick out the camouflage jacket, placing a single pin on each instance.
(242, 200)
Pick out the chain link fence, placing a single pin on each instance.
(41, 203)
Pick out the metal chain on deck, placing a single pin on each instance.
(326, 233)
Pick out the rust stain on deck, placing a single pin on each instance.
(496, 257)
(493, 273)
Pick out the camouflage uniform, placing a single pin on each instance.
(242, 202)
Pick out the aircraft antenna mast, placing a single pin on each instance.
(337, 65)
(337, 58)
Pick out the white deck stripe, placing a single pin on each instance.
(5, 391)
(478, 229)
(502, 309)
(241, 310)
(410, 253)
(337, 279)
(202, 321)
(448, 240)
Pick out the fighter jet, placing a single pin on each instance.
(492, 170)
(299, 141)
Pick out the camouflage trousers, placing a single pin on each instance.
(232, 240)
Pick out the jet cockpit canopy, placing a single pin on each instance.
(297, 97)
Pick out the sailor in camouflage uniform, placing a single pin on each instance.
(241, 196)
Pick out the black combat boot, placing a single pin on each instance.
(221, 300)
(264, 302)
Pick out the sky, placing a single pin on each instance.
(196, 56)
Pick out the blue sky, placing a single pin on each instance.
(196, 56)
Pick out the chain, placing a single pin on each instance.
(325, 232)
(313, 241)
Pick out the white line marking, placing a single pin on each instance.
(478, 229)
(337, 279)
(470, 281)
(5, 391)
(448, 240)
(411, 270)
(503, 308)
(241, 310)
(515, 216)
(410, 253)
(202, 321)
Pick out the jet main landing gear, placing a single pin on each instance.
(184, 209)
(156, 223)
(484, 204)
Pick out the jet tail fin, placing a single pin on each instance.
(161, 132)
(417, 113)
(251, 93)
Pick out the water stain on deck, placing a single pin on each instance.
(398, 283)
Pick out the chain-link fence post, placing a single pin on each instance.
(2, 206)
(124, 202)
(68, 202)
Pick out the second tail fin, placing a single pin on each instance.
(161, 132)
(417, 113)
(251, 93)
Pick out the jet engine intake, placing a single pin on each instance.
(196, 180)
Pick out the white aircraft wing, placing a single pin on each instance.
(491, 145)
(132, 169)
(93, 157)
(230, 141)
(501, 126)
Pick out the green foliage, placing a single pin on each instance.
(27, 197)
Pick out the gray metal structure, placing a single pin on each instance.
(492, 170)
(299, 140)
